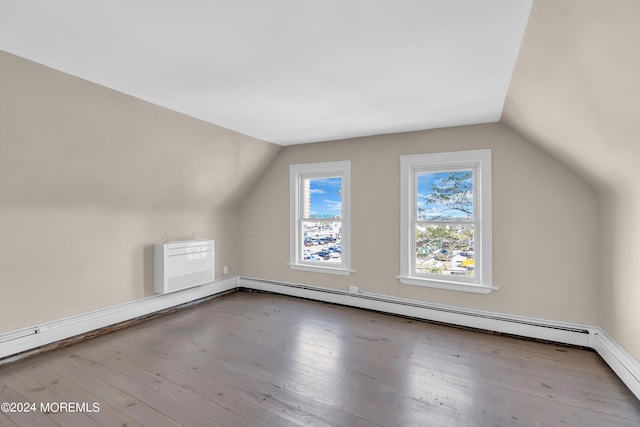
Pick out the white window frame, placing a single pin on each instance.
(480, 162)
(297, 174)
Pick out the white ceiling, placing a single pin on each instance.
(286, 71)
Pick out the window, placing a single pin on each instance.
(320, 217)
(446, 220)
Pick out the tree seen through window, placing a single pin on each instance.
(444, 227)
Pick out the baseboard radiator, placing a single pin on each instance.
(20, 342)
(594, 337)
(561, 332)
(623, 364)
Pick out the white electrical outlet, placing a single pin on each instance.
(225, 270)
(354, 289)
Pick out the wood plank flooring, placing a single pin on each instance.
(252, 359)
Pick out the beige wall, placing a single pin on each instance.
(90, 179)
(545, 223)
(575, 92)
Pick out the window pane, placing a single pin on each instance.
(322, 197)
(445, 249)
(445, 196)
(322, 241)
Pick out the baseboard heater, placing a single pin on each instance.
(585, 336)
(345, 296)
(20, 343)
(182, 264)
(19, 334)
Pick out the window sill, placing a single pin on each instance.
(449, 285)
(321, 269)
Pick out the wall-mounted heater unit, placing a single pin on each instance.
(182, 264)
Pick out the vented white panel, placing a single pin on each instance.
(183, 264)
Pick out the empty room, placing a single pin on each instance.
(327, 213)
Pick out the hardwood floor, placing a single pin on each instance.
(251, 359)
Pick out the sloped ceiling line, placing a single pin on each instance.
(282, 71)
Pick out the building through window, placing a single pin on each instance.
(320, 217)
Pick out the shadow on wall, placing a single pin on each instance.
(147, 265)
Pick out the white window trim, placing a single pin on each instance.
(296, 173)
(409, 165)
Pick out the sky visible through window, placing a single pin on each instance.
(445, 195)
(325, 198)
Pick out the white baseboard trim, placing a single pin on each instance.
(498, 322)
(18, 341)
(623, 364)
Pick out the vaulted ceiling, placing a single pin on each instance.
(561, 72)
(286, 71)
